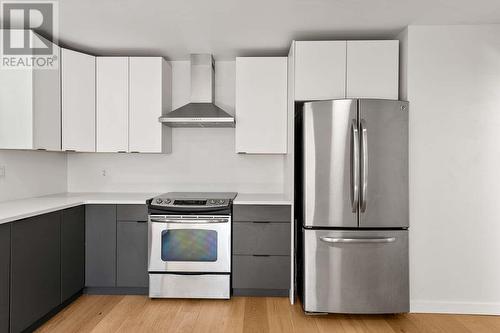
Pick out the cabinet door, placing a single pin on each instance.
(78, 101)
(100, 246)
(320, 70)
(47, 106)
(261, 105)
(150, 95)
(112, 104)
(72, 251)
(35, 269)
(373, 69)
(132, 254)
(4, 277)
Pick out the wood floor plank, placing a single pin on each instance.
(157, 315)
(255, 319)
(185, 319)
(301, 322)
(401, 323)
(212, 316)
(234, 322)
(82, 315)
(125, 311)
(375, 324)
(479, 324)
(330, 323)
(279, 315)
(95, 314)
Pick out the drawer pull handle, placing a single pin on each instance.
(358, 240)
(261, 255)
(261, 222)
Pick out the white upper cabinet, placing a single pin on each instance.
(261, 105)
(320, 70)
(372, 69)
(112, 104)
(30, 109)
(78, 101)
(150, 96)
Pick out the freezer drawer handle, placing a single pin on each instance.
(358, 240)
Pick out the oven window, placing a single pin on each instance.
(189, 245)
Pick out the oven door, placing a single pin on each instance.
(189, 244)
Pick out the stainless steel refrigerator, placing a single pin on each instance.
(352, 162)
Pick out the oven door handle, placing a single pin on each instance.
(221, 220)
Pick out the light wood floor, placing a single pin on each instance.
(242, 314)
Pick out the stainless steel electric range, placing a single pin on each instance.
(190, 245)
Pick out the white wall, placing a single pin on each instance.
(453, 85)
(202, 159)
(31, 173)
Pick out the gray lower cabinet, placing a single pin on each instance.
(35, 269)
(72, 252)
(261, 250)
(132, 254)
(100, 246)
(4, 276)
(258, 273)
(261, 238)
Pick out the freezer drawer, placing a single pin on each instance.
(356, 271)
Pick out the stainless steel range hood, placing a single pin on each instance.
(202, 111)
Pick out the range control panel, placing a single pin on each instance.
(186, 203)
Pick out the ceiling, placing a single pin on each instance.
(229, 28)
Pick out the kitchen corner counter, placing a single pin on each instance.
(262, 199)
(23, 208)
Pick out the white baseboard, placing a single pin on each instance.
(454, 307)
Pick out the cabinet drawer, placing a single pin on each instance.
(261, 272)
(132, 213)
(261, 213)
(261, 238)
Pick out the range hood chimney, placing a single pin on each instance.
(201, 111)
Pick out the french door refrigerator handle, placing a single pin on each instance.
(354, 166)
(358, 240)
(364, 164)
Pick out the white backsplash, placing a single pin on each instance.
(31, 173)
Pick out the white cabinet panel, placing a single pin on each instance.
(16, 114)
(320, 70)
(373, 69)
(150, 97)
(78, 101)
(112, 104)
(30, 112)
(261, 105)
(47, 107)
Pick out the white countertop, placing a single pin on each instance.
(262, 199)
(23, 208)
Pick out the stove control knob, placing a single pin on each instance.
(159, 201)
(212, 201)
(221, 202)
(168, 201)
